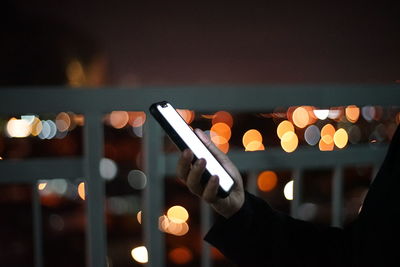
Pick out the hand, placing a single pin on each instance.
(191, 175)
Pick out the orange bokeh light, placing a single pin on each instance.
(137, 118)
(324, 146)
(223, 116)
(252, 136)
(223, 147)
(181, 255)
(220, 133)
(118, 119)
(352, 113)
(187, 115)
(267, 181)
(81, 190)
(327, 133)
(301, 117)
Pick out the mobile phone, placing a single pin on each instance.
(184, 137)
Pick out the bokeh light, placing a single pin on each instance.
(82, 191)
(224, 117)
(321, 114)
(187, 115)
(137, 179)
(108, 168)
(18, 128)
(140, 254)
(267, 181)
(300, 117)
(119, 119)
(220, 133)
(352, 113)
(340, 138)
(139, 217)
(136, 118)
(323, 146)
(368, 113)
(327, 133)
(283, 127)
(180, 255)
(288, 190)
(289, 142)
(312, 135)
(63, 121)
(252, 140)
(177, 214)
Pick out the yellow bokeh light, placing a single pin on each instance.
(223, 116)
(341, 138)
(36, 126)
(75, 73)
(288, 190)
(289, 142)
(300, 117)
(42, 186)
(140, 254)
(118, 119)
(352, 113)
(220, 133)
(177, 214)
(267, 181)
(252, 136)
(284, 127)
(81, 190)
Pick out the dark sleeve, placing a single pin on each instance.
(258, 235)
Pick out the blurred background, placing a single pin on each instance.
(135, 44)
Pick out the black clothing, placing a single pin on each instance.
(258, 235)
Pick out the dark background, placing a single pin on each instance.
(186, 42)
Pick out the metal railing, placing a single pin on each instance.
(93, 104)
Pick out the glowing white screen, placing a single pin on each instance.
(195, 144)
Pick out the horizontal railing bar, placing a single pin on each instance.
(203, 98)
(32, 170)
(304, 158)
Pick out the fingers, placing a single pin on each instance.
(184, 164)
(211, 190)
(193, 181)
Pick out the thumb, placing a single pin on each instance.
(221, 157)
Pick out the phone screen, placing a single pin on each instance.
(191, 140)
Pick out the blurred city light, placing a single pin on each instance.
(288, 190)
(177, 214)
(283, 127)
(220, 133)
(267, 180)
(140, 254)
(108, 168)
(252, 140)
(289, 142)
(18, 128)
(352, 113)
(340, 138)
(82, 191)
(224, 117)
(180, 255)
(300, 117)
(321, 114)
(119, 119)
(137, 179)
(312, 135)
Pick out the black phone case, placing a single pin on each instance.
(179, 142)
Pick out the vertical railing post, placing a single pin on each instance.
(297, 192)
(95, 191)
(337, 197)
(154, 192)
(205, 226)
(37, 227)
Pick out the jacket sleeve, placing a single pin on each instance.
(258, 235)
